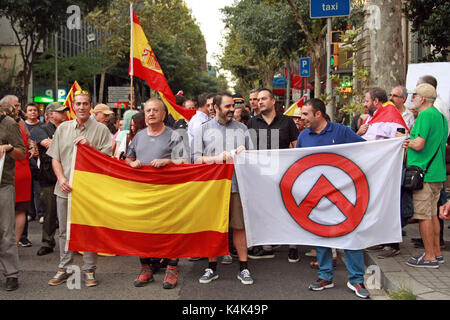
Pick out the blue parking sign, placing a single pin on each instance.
(305, 67)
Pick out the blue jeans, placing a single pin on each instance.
(354, 260)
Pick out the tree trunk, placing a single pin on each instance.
(384, 24)
(102, 87)
(317, 54)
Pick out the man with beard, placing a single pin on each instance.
(426, 149)
(213, 144)
(384, 119)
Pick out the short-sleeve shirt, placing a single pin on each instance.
(61, 148)
(10, 134)
(431, 126)
(215, 138)
(195, 124)
(146, 148)
(333, 133)
(282, 126)
(37, 134)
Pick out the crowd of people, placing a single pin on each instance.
(38, 157)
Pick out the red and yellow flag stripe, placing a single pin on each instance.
(144, 65)
(173, 212)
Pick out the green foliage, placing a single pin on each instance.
(353, 102)
(430, 21)
(262, 37)
(401, 293)
(171, 31)
(81, 68)
(33, 20)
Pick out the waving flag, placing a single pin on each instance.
(343, 196)
(172, 212)
(293, 107)
(69, 101)
(144, 65)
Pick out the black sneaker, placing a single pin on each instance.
(321, 284)
(12, 283)
(293, 256)
(25, 243)
(261, 254)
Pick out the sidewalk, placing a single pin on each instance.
(426, 284)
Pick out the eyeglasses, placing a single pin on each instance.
(83, 92)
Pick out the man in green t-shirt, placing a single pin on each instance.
(428, 140)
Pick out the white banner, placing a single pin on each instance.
(341, 196)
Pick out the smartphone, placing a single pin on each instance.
(401, 130)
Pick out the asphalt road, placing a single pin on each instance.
(275, 279)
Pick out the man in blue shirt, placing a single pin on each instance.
(320, 132)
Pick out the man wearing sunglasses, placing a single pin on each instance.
(83, 130)
(398, 97)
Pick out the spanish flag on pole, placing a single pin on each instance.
(299, 104)
(69, 101)
(172, 212)
(144, 65)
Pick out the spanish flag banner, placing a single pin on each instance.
(388, 113)
(69, 101)
(172, 212)
(144, 65)
(298, 104)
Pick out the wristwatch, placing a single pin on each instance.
(12, 148)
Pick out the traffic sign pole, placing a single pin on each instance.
(330, 109)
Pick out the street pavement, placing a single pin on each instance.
(275, 279)
(423, 283)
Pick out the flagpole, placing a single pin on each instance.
(131, 57)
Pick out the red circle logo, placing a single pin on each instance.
(324, 188)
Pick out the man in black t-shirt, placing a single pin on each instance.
(271, 130)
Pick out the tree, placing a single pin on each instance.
(33, 20)
(315, 31)
(386, 45)
(81, 68)
(430, 21)
(268, 33)
(171, 31)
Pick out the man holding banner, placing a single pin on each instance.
(11, 149)
(214, 144)
(320, 132)
(156, 146)
(86, 131)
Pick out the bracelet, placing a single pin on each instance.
(10, 150)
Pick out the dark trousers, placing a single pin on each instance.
(48, 202)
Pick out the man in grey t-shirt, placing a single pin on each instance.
(214, 144)
(158, 146)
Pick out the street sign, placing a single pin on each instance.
(305, 67)
(329, 8)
